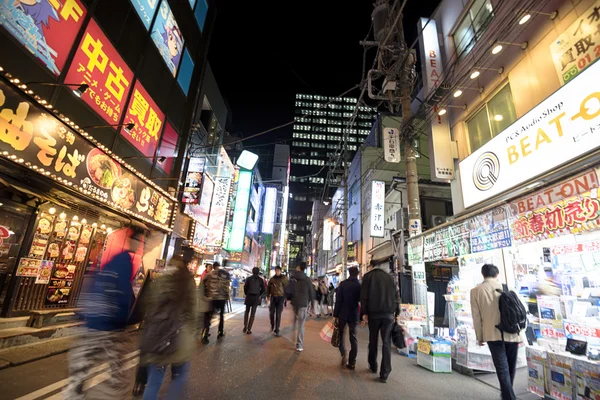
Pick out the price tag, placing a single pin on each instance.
(424, 346)
(581, 330)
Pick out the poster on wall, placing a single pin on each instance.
(459, 240)
(28, 267)
(167, 37)
(44, 272)
(98, 64)
(146, 10)
(41, 236)
(218, 211)
(490, 231)
(46, 28)
(415, 251)
(551, 318)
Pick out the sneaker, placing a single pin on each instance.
(220, 335)
(351, 367)
(249, 332)
(299, 349)
(383, 380)
(276, 334)
(244, 330)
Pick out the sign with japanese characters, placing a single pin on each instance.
(415, 251)
(33, 138)
(578, 46)
(167, 37)
(490, 231)
(99, 65)
(377, 208)
(218, 211)
(561, 128)
(240, 212)
(146, 10)
(46, 28)
(391, 145)
(148, 121)
(434, 245)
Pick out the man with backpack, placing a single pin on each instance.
(217, 290)
(498, 318)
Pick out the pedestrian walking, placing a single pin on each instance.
(330, 298)
(253, 289)
(217, 289)
(276, 294)
(303, 294)
(313, 309)
(205, 310)
(379, 304)
(485, 308)
(106, 304)
(207, 270)
(323, 291)
(346, 314)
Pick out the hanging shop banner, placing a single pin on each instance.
(434, 245)
(208, 187)
(490, 231)
(391, 145)
(377, 208)
(415, 251)
(218, 211)
(577, 47)
(459, 240)
(571, 216)
(447, 242)
(98, 64)
(559, 129)
(268, 221)
(167, 37)
(327, 224)
(35, 139)
(148, 121)
(191, 191)
(46, 28)
(146, 10)
(240, 212)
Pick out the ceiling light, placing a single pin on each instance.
(81, 89)
(524, 19)
(497, 49)
(52, 210)
(129, 127)
(458, 93)
(498, 117)
(62, 215)
(442, 111)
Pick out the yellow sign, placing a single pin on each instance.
(424, 346)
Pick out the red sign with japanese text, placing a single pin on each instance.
(576, 329)
(99, 65)
(148, 119)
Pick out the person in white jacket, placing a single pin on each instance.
(485, 307)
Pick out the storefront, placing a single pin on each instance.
(65, 200)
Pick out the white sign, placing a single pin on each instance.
(377, 208)
(269, 210)
(561, 128)
(440, 144)
(414, 227)
(218, 211)
(418, 271)
(391, 145)
(327, 234)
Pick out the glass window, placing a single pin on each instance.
(473, 26)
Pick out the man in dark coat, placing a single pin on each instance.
(304, 293)
(346, 313)
(276, 292)
(253, 289)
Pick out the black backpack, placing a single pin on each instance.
(289, 289)
(513, 316)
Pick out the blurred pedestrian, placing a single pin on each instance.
(330, 298)
(304, 293)
(205, 309)
(322, 298)
(207, 270)
(346, 314)
(217, 289)
(106, 305)
(169, 335)
(253, 289)
(379, 304)
(276, 294)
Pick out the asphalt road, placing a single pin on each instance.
(261, 366)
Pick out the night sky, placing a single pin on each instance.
(264, 52)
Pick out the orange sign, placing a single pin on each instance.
(99, 65)
(147, 118)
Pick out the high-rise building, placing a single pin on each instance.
(321, 123)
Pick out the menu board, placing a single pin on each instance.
(51, 146)
(28, 267)
(41, 236)
(44, 272)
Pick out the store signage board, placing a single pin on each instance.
(36, 139)
(551, 320)
(98, 64)
(167, 37)
(327, 234)
(240, 212)
(47, 29)
(197, 164)
(208, 188)
(148, 121)
(559, 129)
(574, 329)
(377, 209)
(268, 221)
(191, 191)
(490, 230)
(576, 48)
(391, 145)
(146, 10)
(218, 211)
(415, 251)
(452, 241)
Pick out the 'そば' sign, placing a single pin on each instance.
(33, 138)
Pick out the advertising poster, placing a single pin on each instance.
(576, 47)
(435, 246)
(146, 10)
(193, 184)
(415, 251)
(459, 240)
(28, 267)
(587, 375)
(98, 64)
(490, 231)
(551, 319)
(46, 28)
(561, 376)
(167, 37)
(41, 236)
(60, 286)
(536, 358)
(148, 121)
(45, 142)
(218, 211)
(44, 273)
(208, 188)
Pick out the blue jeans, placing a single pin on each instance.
(156, 375)
(504, 355)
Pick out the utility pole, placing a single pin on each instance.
(345, 208)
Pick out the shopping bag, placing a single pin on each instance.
(337, 334)
(327, 331)
(398, 336)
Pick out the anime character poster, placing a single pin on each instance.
(167, 37)
(46, 28)
(146, 10)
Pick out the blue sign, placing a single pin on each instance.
(184, 77)
(192, 3)
(200, 13)
(167, 37)
(146, 10)
(490, 231)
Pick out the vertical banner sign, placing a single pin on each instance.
(377, 208)
(147, 118)
(440, 144)
(146, 10)
(240, 211)
(208, 187)
(100, 66)
(167, 37)
(46, 28)
(391, 145)
(218, 210)
(415, 251)
(327, 234)
(268, 222)
(578, 46)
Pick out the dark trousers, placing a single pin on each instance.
(383, 326)
(353, 340)
(504, 355)
(275, 312)
(220, 305)
(250, 309)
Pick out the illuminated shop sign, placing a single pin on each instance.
(218, 211)
(327, 223)
(148, 121)
(270, 207)
(240, 213)
(377, 208)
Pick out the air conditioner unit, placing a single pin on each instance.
(437, 220)
(401, 219)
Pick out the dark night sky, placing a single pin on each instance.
(264, 52)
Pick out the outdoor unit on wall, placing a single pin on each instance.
(401, 219)
(437, 220)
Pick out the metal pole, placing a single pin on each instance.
(345, 218)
